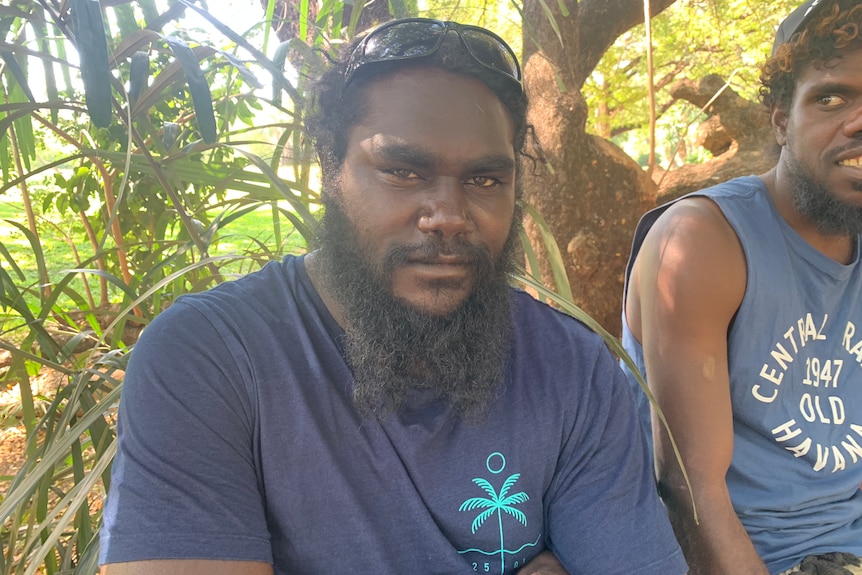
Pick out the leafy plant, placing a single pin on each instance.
(149, 146)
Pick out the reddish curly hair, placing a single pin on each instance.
(837, 26)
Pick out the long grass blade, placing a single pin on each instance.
(73, 500)
(268, 22)
(303, 20)
(555, 258)
(618, 349)
(305, 223)
(55, 454)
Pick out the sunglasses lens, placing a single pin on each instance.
(491, 52)
(403, 41)
(418, 38)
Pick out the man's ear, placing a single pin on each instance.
(778, 117)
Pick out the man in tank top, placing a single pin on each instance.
(743, 311)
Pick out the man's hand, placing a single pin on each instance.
(827, 564)
(544, 563)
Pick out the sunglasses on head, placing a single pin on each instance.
(411, 38)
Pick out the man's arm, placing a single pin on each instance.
(544, 563)
(687, 285)
(187, 567)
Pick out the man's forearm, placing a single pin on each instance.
(718, 544)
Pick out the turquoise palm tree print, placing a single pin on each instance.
(498, 504)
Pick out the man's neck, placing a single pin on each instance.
(839, 247)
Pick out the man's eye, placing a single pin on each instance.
(402, 173)
(830, 100)
(483, 181)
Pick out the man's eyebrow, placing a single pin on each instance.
(402, 153)
(831, 87)
(491, 164)
(419, 158)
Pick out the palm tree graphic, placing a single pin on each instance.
(496, 503)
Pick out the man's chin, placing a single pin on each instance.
(438, 299)
(434, 308)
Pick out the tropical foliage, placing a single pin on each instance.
(692, 38)
(148, 144)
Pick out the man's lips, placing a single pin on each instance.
(849, 156)
(855, 162)
(441, 267)
(441, 260)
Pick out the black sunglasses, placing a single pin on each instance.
(421, 37)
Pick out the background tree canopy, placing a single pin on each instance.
(148, 149)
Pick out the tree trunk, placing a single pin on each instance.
(590, 192)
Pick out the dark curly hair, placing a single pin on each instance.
(837, 26)
(338, 105)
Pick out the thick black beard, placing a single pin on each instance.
(816, 203)
(393, 348)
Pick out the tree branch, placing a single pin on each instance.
(601, 22)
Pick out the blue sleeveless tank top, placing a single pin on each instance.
(795, 349)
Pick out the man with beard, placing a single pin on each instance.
(388, 404)
(743, 311)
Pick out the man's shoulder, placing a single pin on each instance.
(270, 291)
(273, 281)
(740, 189)
(743, 186)
(708, 219)
(546, 325)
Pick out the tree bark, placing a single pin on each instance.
(736, 132)
(590, 192)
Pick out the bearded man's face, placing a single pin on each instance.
(417, 240)
(821, 135)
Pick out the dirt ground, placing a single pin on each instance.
(13, 436)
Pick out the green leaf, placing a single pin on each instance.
(40, 30)
(139, 75)
(93, 53)
(125, 19)
(243, 70)
(399, 8)
(198, 87)
(303, 20)
(259, 56)
(267, 28)
(279, 59)
(17, 73)
(149, 10)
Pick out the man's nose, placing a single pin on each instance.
(444, 210)
(853, 125)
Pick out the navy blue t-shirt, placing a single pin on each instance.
(238, 440)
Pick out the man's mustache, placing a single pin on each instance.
(437, 250)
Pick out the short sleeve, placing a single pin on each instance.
(184, 482)
(605, 515)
